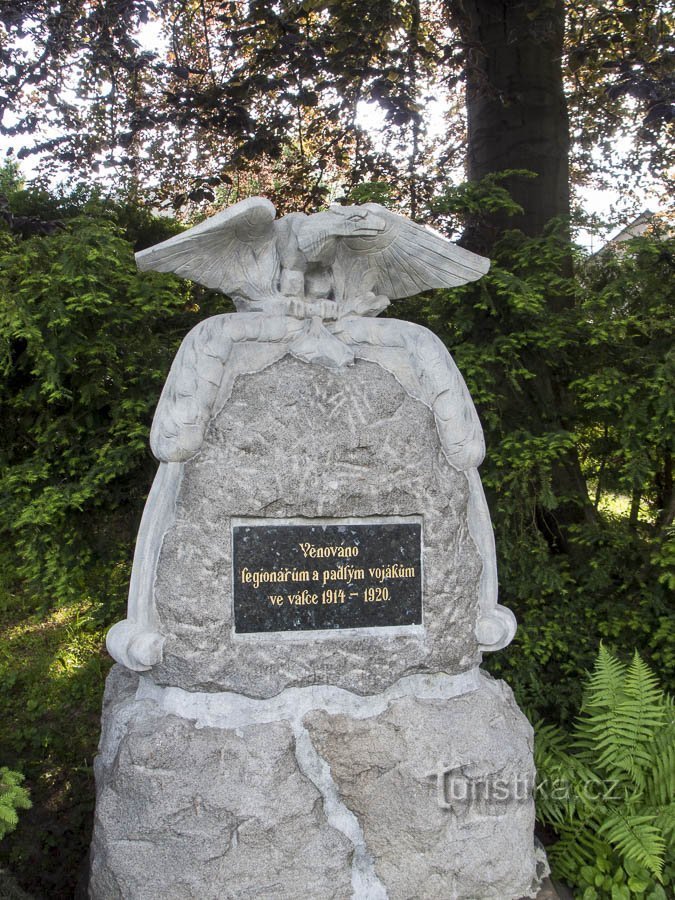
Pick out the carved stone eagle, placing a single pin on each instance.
(348, 260)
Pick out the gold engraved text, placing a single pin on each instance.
(328, 552)
(274, 576)
(384, 573)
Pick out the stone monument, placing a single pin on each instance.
(298, 709)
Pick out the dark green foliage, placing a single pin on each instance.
(52, 668)
(609, 788)
(85, 346)
(574, 382)
(628, 397)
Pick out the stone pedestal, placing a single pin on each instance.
(422, 790)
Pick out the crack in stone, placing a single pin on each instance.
(227, 709)
(365, 883)
(234, 711)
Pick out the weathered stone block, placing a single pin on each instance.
(210, 813)
(421, 792)
(442, 789)
(302, 442)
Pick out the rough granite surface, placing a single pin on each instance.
(186, 813)
(262, 810)
(295, 441)
(387, 772)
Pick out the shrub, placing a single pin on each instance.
(608, 789)
(12, 797)
(85, 346)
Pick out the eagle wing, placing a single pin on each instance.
(407, 258)
(233, 252)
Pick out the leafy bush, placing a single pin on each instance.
(12, 797)
(85, 346)
(52, 669)
(573, 375)
(608, 789)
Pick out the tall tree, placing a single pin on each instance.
(621, 84)
(281, 87)
(271, 89)
(517, 120)
(516, 108)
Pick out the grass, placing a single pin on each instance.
(617, 505)
(52, 671)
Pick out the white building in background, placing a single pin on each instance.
(661, 224)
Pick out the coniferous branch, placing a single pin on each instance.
(12, 797)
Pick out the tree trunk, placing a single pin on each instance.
(516, 109)
(517, 119)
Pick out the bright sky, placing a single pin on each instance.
(607, 204)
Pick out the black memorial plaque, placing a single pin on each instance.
(304, 577)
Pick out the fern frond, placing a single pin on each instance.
(562, 779)
(549, 740)
(12, 797)
(622, 757)
(624, 711)
(578, 846)
(642, 684)
(605, 685)
(604, 691)
(664, 818)
(8, 816)
(660, 779)
(636, 837)
(551, 762)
